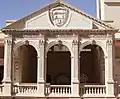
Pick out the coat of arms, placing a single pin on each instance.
(59, 16)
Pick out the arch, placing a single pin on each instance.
(95, 64)
(26, 60)
(96, 43)
(57, 59)
(20, 43)
(55, 43)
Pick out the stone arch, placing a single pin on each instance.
(16, 59)
(57, 59)
(96, 43)
(56, 42)
(97, 64)
(20, 43)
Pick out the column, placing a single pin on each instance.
(75, 70)
(7, 66)
(41, 70)
(109, 70)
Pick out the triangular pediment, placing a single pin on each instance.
(58, 15)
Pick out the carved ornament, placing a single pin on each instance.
(58, 16)
(75, 42)
(109, 42)
(8, 42)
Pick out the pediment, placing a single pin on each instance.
(58, 15)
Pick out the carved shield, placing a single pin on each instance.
(58, 16)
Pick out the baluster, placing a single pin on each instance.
(25, 90)
(22, 90)
(69, 90)
(66, 90)
(49, 90)
(95, 90)
(55, 91)
(92, 90)
(87, 90)
(32, 89)
(58, 90)
(63, 90)
(101, 90)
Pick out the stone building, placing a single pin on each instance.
(62, 52)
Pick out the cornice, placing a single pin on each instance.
(58, 31)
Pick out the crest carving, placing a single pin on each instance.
(59, 16)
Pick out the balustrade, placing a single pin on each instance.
(92, 90)
(25, 89)
(58, 90)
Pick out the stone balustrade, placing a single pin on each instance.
(87, 90)
(58, 90)
(25, 89)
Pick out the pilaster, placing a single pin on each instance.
(41, 69)
(109, 79)
(75, 70)
(7, 66)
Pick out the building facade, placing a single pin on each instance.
(60, 52)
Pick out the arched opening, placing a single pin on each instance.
(27, 56)
(92, 67)
(59, 65)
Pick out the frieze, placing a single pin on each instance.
(32, 36)
(97, 36)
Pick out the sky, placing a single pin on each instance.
(16, 9)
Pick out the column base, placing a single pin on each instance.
(110, 92)
(75, 89)
(7, 89)
(41, 89)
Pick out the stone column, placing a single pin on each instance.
(109, 70)
(7, 66)
(41, 69)
(75, 70)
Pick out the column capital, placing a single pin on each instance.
(8, 42)
(109, 42)
(75, 42)
(41, 42)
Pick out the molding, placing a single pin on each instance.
(112, 3)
